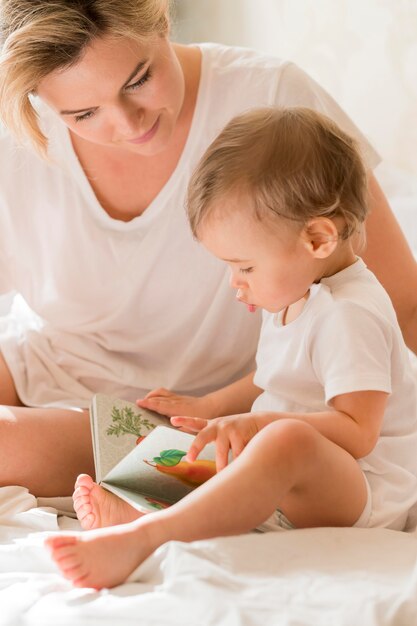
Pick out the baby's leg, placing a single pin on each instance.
(288, 465)
(97, 508)
(104, 557)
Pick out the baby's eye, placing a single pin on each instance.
(246, 270)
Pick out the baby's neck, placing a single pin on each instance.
(342, 258)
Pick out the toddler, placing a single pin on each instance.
(330, 438)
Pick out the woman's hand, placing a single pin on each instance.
(169, 403)
(229, 433)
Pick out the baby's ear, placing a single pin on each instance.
(320, 236)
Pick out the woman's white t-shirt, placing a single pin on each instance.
(124, 307)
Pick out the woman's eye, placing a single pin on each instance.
(142, 80)
(246, 270)
(84, 116)
(132, 87)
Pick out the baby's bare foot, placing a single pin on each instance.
(96, 508)
(101, 558)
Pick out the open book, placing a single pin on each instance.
(138, 455)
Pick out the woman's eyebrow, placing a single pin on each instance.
(137, 69)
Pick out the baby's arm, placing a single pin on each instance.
(235, 398)
(353, 423)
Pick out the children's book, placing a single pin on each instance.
(138, 455)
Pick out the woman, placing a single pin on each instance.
(117, 297)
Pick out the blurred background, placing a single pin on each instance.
(364, 52)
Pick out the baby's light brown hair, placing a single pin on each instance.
(289, 163)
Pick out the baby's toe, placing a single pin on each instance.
(88, 521)
(74, 573)
(83, 510)
(70, 563)
(80, 491)
(60, 541)
(81, 501)
(84, 480)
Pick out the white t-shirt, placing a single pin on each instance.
(347, 339)
(123, 307)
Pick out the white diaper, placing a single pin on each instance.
(278, 521)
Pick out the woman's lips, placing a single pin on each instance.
(146, 136)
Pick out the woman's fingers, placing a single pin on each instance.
(161, 391)
(164, 406)
(169, 404)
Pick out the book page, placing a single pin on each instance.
(143, 503)
(156, 471)
(117, 426)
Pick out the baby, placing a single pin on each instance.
(330, 438)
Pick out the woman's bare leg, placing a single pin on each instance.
(41, 449)
(8, 393)
(44, 449)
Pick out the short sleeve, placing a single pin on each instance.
(297, 88)
(350, 349)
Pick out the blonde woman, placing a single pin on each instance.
(105, 119)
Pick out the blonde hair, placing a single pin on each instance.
(41, 36)
(290, 163)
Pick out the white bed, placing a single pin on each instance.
(318, 577)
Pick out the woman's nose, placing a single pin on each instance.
(128, 121)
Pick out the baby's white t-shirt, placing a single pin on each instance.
(124, 307)
(347, 339)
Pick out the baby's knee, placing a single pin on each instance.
(291, 438)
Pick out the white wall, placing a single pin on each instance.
(364, 52)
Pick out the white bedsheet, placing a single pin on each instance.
(313, 577)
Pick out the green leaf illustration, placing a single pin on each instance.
(169, 458)
(126, 421)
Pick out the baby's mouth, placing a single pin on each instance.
(251, 307)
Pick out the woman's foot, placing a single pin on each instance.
(101, 558)
(97, 508)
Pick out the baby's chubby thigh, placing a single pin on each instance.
(316, 482)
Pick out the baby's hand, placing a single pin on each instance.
(229, 433)
(169, 403)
